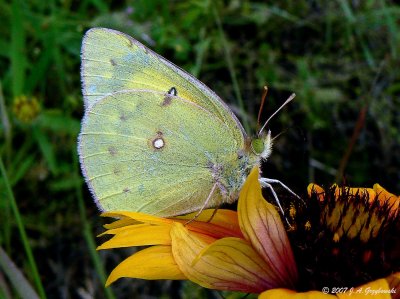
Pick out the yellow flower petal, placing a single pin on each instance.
(262, 226)
(355, 191)
(138, 235)
(375, 289)
(223, 224)
(345, 223)
(394, 284)
(289, 294)
(185, 248)
(138, 217)
(352, 219)
(378, 289)
(155, 262)
(242, 267)
(226, 264)
(124, 221)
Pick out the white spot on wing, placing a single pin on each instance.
(158, 143)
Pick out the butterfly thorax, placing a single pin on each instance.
(231, 175)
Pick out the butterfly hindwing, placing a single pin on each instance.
(152, 152)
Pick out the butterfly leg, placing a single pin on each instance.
(204, 205)
(274, 181)
(266, 182)
(213, 214)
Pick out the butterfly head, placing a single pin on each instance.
(262, 145)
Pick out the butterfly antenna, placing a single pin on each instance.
(277, 136)
(292, 96)
(263, 98)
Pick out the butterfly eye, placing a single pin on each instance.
(257, 145)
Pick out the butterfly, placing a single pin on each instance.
(154, 139)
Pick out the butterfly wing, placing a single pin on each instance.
(113, 61)
(141, 152)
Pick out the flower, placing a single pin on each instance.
(26, 109)
(341, 242)
(245, 251)
(344, 241)
(357, 212)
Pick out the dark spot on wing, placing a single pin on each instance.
(167, 100)
(172, 92)
(113, 63)
(123, 117)
(112, 150)
(126, 190)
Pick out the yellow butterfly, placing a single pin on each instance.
(155, 139)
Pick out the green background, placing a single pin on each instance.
(340, 57)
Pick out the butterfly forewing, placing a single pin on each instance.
(113, 61)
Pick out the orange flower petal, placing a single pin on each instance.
(138, 235)
(224, 223)
(318, 189)
(262, 226)
(392, 200)
(226, 264)
(155, 262)
(222, 217)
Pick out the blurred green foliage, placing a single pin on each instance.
(340, 57)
